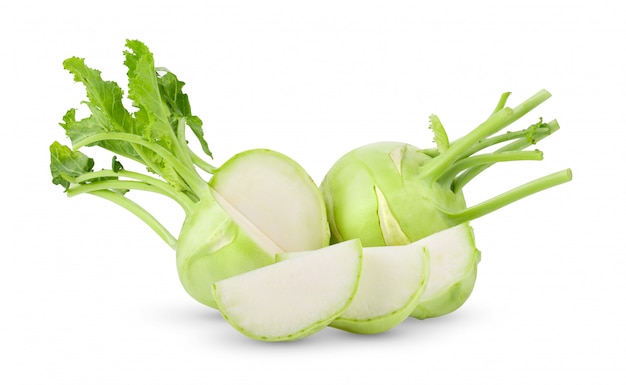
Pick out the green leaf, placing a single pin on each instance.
(153, 115)
(105, 97)
(96, 124)
(107, 111)
(150, 134)
(66, 164)
(195, 124)
(143, 89)
(116, 165)
(172, 91)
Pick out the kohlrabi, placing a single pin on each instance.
(392, 193)
(257, 204)
(295, 297)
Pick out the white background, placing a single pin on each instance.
(89, 295)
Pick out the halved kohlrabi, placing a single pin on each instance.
(453, 265)
(263, 203)
(256, 204)
(293, 298)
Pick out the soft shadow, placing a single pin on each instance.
(188, 313)
(211, 329)
(329, 338)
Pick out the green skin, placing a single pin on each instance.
(212, 247)
(454, 295)
(351, 199)
(393, 193)
(448, 300)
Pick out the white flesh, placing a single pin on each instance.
(276, 195)
(392, 281)
(392, 278)
(452, 255)
(294, 298)
(252, 230)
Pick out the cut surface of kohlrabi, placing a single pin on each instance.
(263, 203)
(393, 279)
(295, 297)
(453, 266)
(277, 196)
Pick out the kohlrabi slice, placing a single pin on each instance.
(257, 204)
(293, 298)
(453, 264)
(393, 279)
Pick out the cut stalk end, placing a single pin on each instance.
(501, 118)
(512, 195)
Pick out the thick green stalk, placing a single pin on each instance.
(190, 175)
(519, 144)
(157, 185)
(111, 185)
(511, 196)
(202, 164)
(496, 122)
(501, 102)
(523, 138)
(520, 136)
(141, 213)
(447, 178)
(182, 147)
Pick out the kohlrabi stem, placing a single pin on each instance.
(194, 160)
(157, 185)
(141, 213)
(202, 164)
(478, 160)
(511, 196)
(189, 175)
(496, 122)
(112, 184)
(501, 102)
(183, 147)
(522, 142)
(526, 137)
